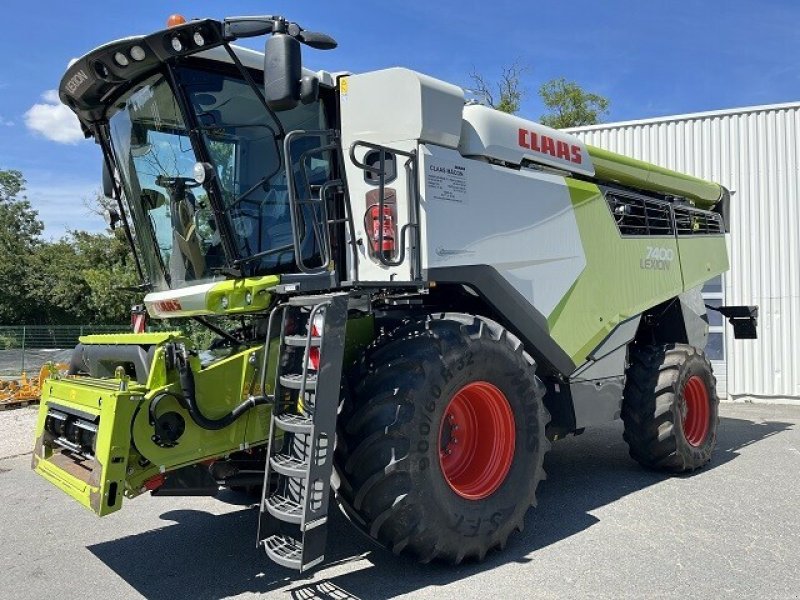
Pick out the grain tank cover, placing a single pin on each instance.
(394, 105)
(496, 135)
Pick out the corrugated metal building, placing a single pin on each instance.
(755, 152)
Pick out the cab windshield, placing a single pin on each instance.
(176, 229)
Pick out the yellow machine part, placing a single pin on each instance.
(27, 388)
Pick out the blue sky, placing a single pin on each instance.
(650, 58)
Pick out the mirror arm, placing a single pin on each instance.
(242, 27)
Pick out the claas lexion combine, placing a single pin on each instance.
(413, 296)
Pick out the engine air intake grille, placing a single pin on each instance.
(637, 216)
(693, 221)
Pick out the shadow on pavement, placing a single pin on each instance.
(211, 556)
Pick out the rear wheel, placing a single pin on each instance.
(441, 444)
(670, 407)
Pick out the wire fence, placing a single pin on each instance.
(25, 348)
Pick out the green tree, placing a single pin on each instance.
(20, 231)
(569, 105)
(80, 275)
(505, 95)
(108, 267)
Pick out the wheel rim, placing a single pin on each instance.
(476, 440)
(697, 413)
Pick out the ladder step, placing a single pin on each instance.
(300, 340)
(290, 466)
(294, 423)
(310, 300)
(285, 551)
(295, 382)
(285, 509)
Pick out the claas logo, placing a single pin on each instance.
(544, 144)
(168, 306)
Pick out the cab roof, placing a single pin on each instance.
(96, 79)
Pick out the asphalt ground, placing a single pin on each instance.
(604, 528)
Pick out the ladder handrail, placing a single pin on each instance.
(351, 229)
(314, 313)
(265, 359)
(325, 252)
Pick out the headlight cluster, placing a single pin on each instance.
(185, 40)
(178, 42)
(135, 53)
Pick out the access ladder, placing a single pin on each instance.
(293, 510)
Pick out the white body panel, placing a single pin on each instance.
(395, 108)
(395, 105)
(520, 222)
(179, 302)
(502, 137)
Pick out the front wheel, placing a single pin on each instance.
(441, 449)
(670, 407)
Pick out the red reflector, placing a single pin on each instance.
(138, 323)
(313, 353)
(155, 482)
(138, 318)
(313, 359)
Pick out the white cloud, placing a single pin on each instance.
(62, 203)
(54, 120)
(5, 122)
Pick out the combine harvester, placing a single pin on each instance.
(413, 296)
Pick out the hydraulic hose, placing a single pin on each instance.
(187, 384)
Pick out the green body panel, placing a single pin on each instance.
(130, 338)
(126, 453)
(613, 287)
(618, 168)
(220, 387)
(620, 280)
(229, 297)
(97, 484)
(702, 258)
(236, 291)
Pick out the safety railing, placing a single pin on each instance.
(412, 185)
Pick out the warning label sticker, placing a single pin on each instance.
(446, 181)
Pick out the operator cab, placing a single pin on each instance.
(197, 142)
(156, 158)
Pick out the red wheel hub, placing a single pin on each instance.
(697, 413)
(476, 440)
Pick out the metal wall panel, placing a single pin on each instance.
(755, 153)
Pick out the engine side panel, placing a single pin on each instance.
(555, 240)
(519, 222)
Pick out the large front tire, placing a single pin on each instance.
(441, 448)
(670, 408)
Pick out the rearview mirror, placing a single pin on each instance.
(152, 199)
(282, 71)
